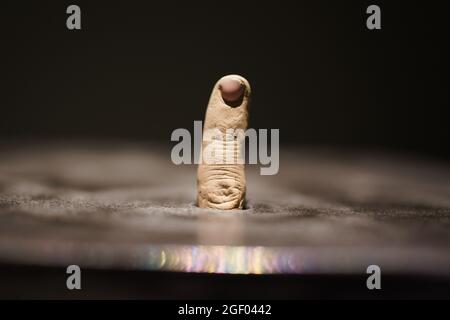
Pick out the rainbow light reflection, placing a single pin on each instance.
(224, 259)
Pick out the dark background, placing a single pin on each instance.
(140, 69)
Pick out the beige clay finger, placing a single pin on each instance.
(221, 182)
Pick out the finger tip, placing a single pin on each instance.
(231, 89)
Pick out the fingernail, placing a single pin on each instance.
(231, 89)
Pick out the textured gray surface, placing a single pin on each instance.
(126, 205)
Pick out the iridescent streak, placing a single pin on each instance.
(222, 259)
